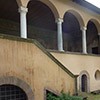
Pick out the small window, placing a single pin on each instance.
(97, 75)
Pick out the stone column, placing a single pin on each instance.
(84, 44)
(99, 43)
(59, 34)
(23, 24)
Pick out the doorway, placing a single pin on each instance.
(84, 83)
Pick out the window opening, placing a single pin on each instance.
(12, 92)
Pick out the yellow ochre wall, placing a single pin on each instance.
(78, 63)
(30, 64)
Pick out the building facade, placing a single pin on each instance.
(48, 45)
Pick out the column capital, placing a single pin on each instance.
(59, 20)
(84, 28)
(23, 9)
(99, 34)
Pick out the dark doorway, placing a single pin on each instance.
(95, 50)
(84, 83)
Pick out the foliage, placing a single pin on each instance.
(63, 96)
(68, 97)
(50, 96)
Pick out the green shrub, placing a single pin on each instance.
(63, 96)
(52, 97)
(68, 97)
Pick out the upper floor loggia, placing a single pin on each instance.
(57, 24)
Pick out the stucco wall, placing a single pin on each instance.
(27, 62)
(78, 63)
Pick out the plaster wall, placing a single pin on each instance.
(78, 63)
(27, 62)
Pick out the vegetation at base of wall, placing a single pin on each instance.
(63, 96)
(89, 95)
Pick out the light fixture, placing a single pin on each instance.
(94, 2)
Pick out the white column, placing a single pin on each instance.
(23, 24)
(59, 34)
(84, 44)
(98, 43)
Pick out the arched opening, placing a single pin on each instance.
(9, 17)
(41, 24)
(97, 75)
(71, 32)
(12, 92)
(19, 84)
(84, 83)
(92, 38)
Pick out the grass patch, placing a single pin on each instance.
(90, 96)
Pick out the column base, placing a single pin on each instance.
(61, 50)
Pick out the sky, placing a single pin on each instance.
(94, 2)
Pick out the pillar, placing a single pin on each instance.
(23, 24)
(59, 34)
(84, 44)
(99, 43)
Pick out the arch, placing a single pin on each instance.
(78, 16)
(71, 31)
(84, 81)
(92, 36)
(17, 82)
(51, 6)
(97, 24)
(9, 17)
(39, 27)
(97, 75)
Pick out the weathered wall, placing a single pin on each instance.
(27, 62)
(78, 63)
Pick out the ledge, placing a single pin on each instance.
(74, 53)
